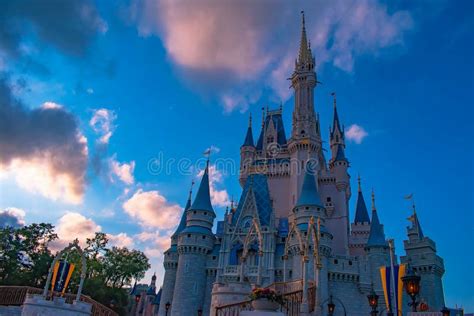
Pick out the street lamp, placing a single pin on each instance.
(200, 312)
(373, 302)
(445, 311)
(137, 298)
(331, 306)
(411, 282)
(167, 307)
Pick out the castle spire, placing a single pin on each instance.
(203, 197)
(377, 235)
(336, 125)
(182, 222)
(415, 224)
(304, 54)
(361, 215)
(249, 136)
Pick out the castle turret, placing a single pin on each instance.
(170, 260)
(421, 256)
(247, 154)
(305, 133)
(377, 249)
(360, 228)
(194, 243)
(338, 163)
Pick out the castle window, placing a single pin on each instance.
(350, 262)
(203, 237)
(189, 235)
(194, 212)
(336, 261)
(205, 213)
(328, 199)
(214, 257)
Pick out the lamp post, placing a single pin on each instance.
(445, 311)
(373, 302)
(331, 306)
(411, 283)
(167, 307)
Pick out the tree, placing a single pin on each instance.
(122, 265)
(24, 253)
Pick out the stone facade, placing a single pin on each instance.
(288, 186)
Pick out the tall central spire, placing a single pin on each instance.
(304, 54)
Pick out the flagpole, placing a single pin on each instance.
(392, 275)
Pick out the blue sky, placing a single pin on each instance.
(132, 82)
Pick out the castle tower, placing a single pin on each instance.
(360, 228)
(305, 133)
(247, 154)
(194, 243)
(338, 220)
(422, 258)
(377, 249)
(170, 261)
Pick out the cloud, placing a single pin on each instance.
(12, 217)
(216, 178)
(230, 44)
(102, 122)
(120, 240)
(151, 209)
(122, 171)
(70, 26)
(356, 133)
(73, 225)
(42, 148)
(160, 242)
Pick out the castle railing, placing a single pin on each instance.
(291, 307)
(15, 296)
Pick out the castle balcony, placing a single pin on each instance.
(231, 270)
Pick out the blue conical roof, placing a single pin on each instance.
(377, 235)
(249, 138)
(340, 156)
(202, 201)
(309, 193)
(361, 215)
(182, 222)
(335, 122)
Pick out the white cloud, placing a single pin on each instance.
(90, 91)
(12, 216)
(356, 133)
(152, 209)
(74, 225)
(51, 105)
(233, 43)
(216, 178)
(102, 122)
(120, 240)
(122, 171)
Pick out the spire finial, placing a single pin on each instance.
(191, 190)
(263, 116)
(334, 98)
(358, 181)
(250, 119)
(373, 200)
(281, 106)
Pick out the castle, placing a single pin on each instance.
(291, 222)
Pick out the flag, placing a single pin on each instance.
(333, 93)
(207, 152)
(411, 218)
(409, 196)
(385, 275)
(62, 273)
